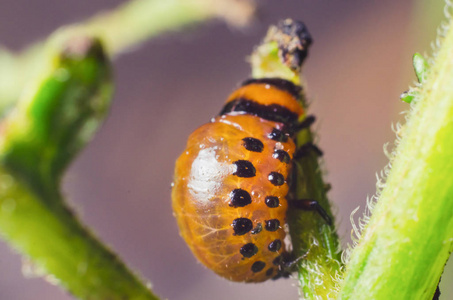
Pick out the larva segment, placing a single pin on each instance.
(237, 237)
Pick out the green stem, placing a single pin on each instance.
(310, 234)
(139, 20)
(121, 29)
(55, 118)
(50, 125)
(409, 238)
(60, 246)
(312, 238)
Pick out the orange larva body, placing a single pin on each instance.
(231, 182)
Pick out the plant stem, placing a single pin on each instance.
(61, 247)
(55, 119)
(121, 29)
(312, 238)
(139, 20)
(409, 237)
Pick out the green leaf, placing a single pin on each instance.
(408, 96)
(60, 116)
(421, 67)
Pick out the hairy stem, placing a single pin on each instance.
(312, 238)
(409, 238)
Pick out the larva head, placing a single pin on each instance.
(276, 99)
(294, 40)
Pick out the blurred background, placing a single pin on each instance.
(359, 64)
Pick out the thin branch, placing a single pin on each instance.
(311, 236)
(120, 29)
(50, 125)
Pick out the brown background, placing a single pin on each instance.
(359, 64)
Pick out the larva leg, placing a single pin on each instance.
(309, 146)
(309, 120)
(289, 265)
(306, 149)
(311, 205)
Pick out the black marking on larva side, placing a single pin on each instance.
(253, 144)
(275, 245)
(276, 178)
(240, 198)
(278, 135)
(272, 225)
(258, 266)
(244, 168)
(278, 261)
(306, 149)
(282, 156)
(278, 83)
(248, 250)
(272, 112)
(241, 226)
(282, 274)
(311, 205)
(272, 201)
(257, 229)
(307, 122)
(269, 271)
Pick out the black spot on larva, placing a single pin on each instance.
(276, 178)
(269, 271)
(248, 250)
(282, 156)
(272, 225)
(272, 201)
(241, 226)
(253, 144)
(257, 229)
(258, 266)
(278, 135)
(274, 246)
(278, 261)
(240, 198)
(244, 168)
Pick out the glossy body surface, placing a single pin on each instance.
(231, 182)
